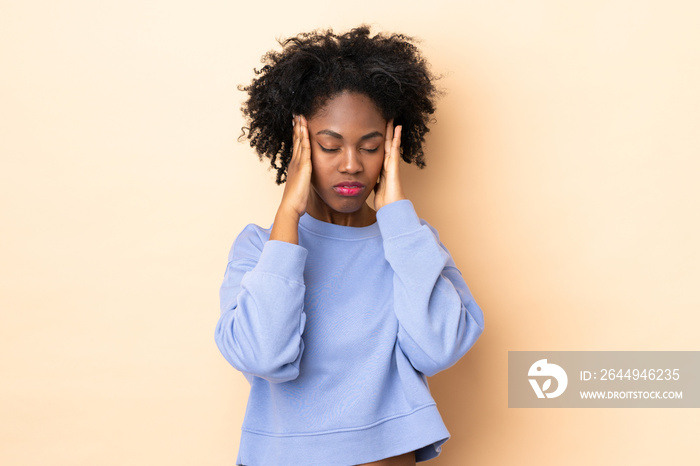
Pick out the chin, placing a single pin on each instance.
(345, 205)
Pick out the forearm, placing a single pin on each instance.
(438, 317)
(286, 226)
(297, 187)
(262, 311)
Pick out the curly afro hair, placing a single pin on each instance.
(316, 66)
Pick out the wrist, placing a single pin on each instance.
(286, 226)
(392, 199)
(288, 213)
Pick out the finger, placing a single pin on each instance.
(304, 137)
(395, 148)
(391, 162)
(396, 143)
(388, 138)
(304, 148)
(296, 144)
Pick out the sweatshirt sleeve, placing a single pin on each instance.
(438, 318)
(262, 307)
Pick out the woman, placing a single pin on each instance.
(339, 312)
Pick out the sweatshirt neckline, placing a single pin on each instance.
(332, 230)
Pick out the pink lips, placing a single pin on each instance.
(349, 188)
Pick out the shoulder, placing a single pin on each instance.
(249, 243)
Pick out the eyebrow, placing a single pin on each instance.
(371, 135)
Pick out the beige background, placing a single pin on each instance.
(562, 174)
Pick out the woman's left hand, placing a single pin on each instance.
(388, 188)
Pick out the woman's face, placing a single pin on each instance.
(347, 154)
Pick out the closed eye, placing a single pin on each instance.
(336, 149)
(325, 149)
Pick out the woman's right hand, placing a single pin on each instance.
(296, 190)
(297, 187)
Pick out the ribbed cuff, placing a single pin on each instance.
(282, 258)
(397, 218)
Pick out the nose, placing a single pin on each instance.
(350, 162)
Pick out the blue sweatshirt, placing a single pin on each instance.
(336, 336)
